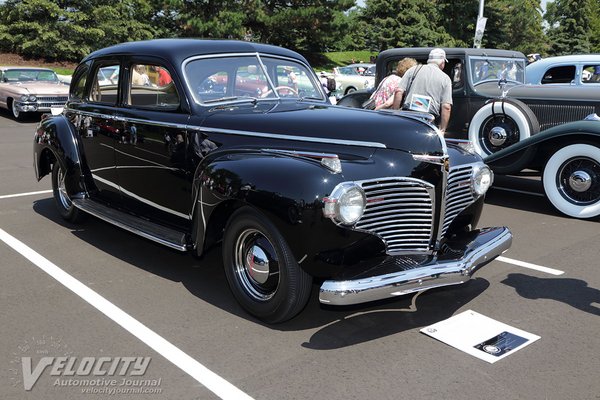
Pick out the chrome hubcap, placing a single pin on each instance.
(15, 110)
(580, 181)
(498, 136)
(256, 265)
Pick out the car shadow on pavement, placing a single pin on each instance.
(574, 292)
(376, 320)
(205, 279)
(520, 193)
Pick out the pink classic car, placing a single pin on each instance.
(27, 89)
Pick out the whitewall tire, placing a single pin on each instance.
(572, 180)
(500, 124)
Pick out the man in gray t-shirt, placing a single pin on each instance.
(430, 90)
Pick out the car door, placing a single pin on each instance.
(92, 108)
(154, 169)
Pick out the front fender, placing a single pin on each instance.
(56, 140)
(287, 190)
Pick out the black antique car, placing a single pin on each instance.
(493, 107)
(203, 142)
(568, 159)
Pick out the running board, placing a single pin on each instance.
(149, 230)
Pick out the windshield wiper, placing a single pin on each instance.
(232, 98)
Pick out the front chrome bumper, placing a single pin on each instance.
(444, 271)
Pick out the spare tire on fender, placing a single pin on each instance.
(501, 123)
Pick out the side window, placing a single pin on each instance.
(591, 74)
(105, 90)
(79, 81)
(562, 74)
(151, 86)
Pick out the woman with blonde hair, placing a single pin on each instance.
(384, 94)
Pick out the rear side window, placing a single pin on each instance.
(591, 73)
(562, 74)
(152, 87)
(79, 81)
(105, 87)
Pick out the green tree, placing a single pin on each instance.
(515, 25)
(403, 23)
(571, 23)
(68, 30)
(459, 19)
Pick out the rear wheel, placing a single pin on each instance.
(63, 202)
(262, 272)
(572, 180)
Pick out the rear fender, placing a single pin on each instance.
(56, 140)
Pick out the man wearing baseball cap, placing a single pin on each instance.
(427, 89)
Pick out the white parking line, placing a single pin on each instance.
(524, 264)
(8, 196)
(199, 372)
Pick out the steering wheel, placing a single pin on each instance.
(278, 88)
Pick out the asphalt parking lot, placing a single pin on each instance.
(177, 313)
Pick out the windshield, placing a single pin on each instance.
(29, 75)
(239, 78)
(485, 69)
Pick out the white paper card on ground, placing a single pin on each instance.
(480, 336)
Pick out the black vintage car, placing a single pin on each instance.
(196, 142)
(493, 107)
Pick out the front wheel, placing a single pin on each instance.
(572, 180)
(261, 271)
(63, 202)
(500, 124)
(14, 110)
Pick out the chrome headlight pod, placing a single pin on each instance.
(481, 180)
(32, 98)
(346, 204)
(24, 97)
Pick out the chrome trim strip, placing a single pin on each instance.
(290, 137)
(437, 274)
(130, 120)
(243, 133)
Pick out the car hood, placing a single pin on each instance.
(40, 88)
(553, 92)
(327, 124)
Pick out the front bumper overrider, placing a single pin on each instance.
(451, 268)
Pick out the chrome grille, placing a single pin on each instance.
(550, 115)
(48, 102)
(400, 212)
(458, 193)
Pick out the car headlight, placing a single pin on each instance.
(32, 98)
(24, 97)
(482, 179)
(346, 204)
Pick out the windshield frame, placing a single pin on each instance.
(471, 60)
(229, 99)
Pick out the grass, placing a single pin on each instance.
(62, 71)
(326, 61)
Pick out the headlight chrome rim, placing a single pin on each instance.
(24, 97)
(32, 98)
(346, 204)
(481, 180)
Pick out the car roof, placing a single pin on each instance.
(450, 52)
(177, 50)
(575, 58)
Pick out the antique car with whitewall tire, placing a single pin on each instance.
(492, 105)
(30, 90)
(292, 188)
(568, 158)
